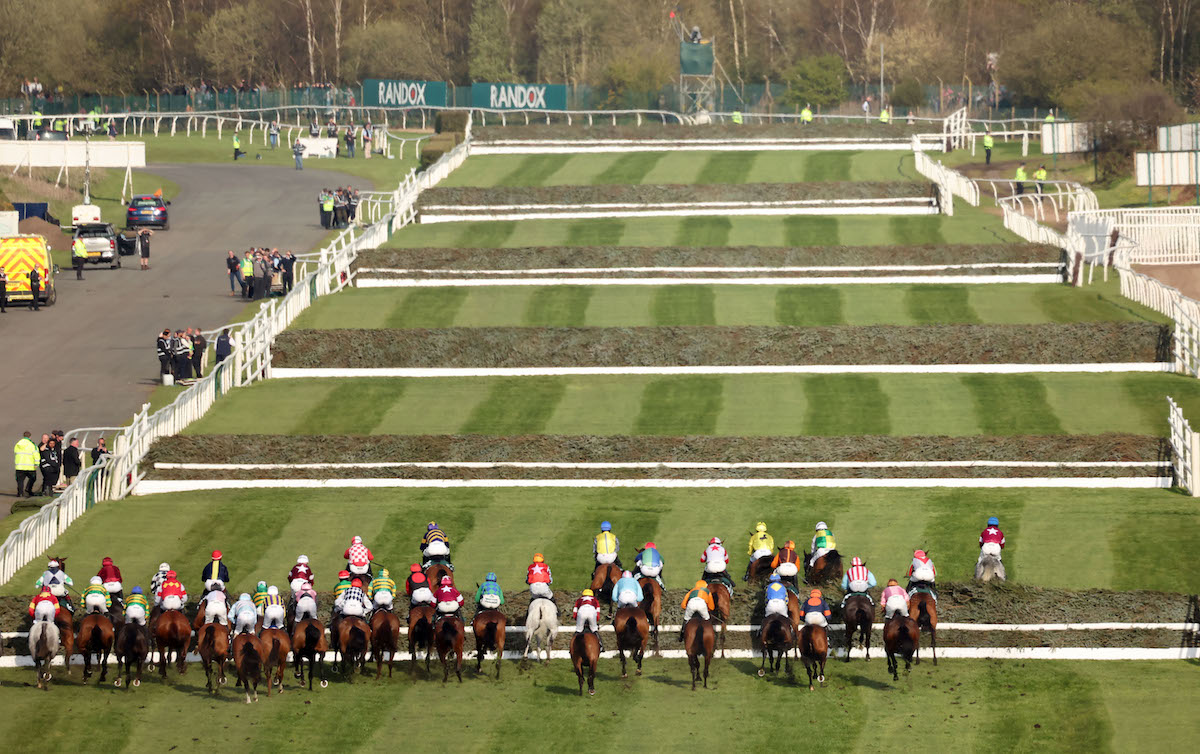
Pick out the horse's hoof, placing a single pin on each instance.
(820, 679)
(117, 683)
(761, 673)
(624, 675)
(591, 692)
(48, 676)
(137, 682)
(221, 681)
(639, 671)
(324, 684)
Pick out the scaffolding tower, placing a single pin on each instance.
(700, 72)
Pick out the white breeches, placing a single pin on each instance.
(819, 552)
(490, 601)
(436, 549)
(422, 596)
(695, 606)
(172, 603)
(606, 557)
(895, 604)
(95, 604)
(815, 619)
(776, 607)
(210, 583)
(43, 611)
(306, 607)
(651, 571)
(859, 586)
(924, 573)
(273, 616)
(541, 589)
(215, 612)
(383, 598)
(627, 598)
(58, 590)
(586, 616)
(714, 567)
(112, 587)
(353, 607)
(447, 608)
(297, 584)
(787, 569)
(761, 552)
(245, 622)
(990, 548)
(359, 570)
(136, 614)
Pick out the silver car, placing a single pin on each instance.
(100, 240)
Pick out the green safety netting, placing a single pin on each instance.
(696, 59)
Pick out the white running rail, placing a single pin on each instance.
(1185, 449)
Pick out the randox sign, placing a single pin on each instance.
(519, 96)
(390, 93)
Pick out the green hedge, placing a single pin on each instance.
(437, 146)
(451, 121)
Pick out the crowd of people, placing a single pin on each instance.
(57, 459)
(338, 206)
(254, 273)
(181, 353)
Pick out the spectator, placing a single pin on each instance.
(26, 458)
(72, 462)
(234, 265)
(262, 277)
(199, 344)
(225, 345)
(273, 132)
(165, 354)
(143, 244)
(3, 291)
(350, 137)
(288, 265)
(181, 348)
(100, 451)
(298, 153)
(51, 464)
(368, 132)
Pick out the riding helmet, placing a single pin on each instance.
(490, 577)
(302, 560)
(605, 526)
(822, 525)
(993, 521)
(446, 581)
(415, 568)
(789, 545)
(432, 525)
(774, 578)
(588, 593)
(136, 590)
(538, 558)
(815, 593)
(216, 555)
(856, 561)
(760, 526)
(627, 574)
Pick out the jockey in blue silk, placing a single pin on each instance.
(627, 592)
(606, 546)
(650, 563)
(777, 596)
(489, 596)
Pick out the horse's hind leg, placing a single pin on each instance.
(933, 644)
(104, 664)
(706, 661)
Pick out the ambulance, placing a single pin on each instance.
(19, 255)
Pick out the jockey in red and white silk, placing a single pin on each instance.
(358, 558)
(449, 600)
(991, 539)
(300, 573)
(714, 558)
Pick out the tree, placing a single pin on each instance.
(230, 41)
(490, 52)
(819, 81)
(392, 50)
(1126, 118)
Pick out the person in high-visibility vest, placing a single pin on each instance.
(737, 117)
(79, 255)
(247, 276)
(1039, 175)
(988, 143)
(885, 115)
(37, 119)
(237, 146)
(1020, 179)
(1050, 116)
(806, 115)
(60, 124)
(25, 461)
(327, 203)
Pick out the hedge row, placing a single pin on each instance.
(623, 448)
(492, 347)
(711, 256)
(459, 196)
(839, 129)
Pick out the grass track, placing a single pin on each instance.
(751, 405)
(971, 705)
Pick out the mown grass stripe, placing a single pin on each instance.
(685, 305)
(481, 234)
(827, 166)
(629, 168)
(598, 232)
(845, 404)
(703, 231)
(809, 306)
(947, 519)
(810, 231)
(1012, 404)
(535, 170)
(355, 408)
(939, 304)
(427, 307)
(680, 406)
(914, 230)
(558, 306)
(516, 406)
(727, 167)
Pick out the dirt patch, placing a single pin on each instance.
(842, 129)
(618, 448)
(495, 347)
(55, 238)
(1185, 277)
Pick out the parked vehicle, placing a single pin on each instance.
(100, 240)
(19, 255)
(85, 214)
(8, 128)
(147, 210)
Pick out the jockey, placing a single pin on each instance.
(382, 590)
(698, 601)
(489, 596)
(921, 574)
(435, 545)
(857, 580)
(716, 563)
(449, 600)
(110, 577)
(815, 610)
(627, 592)
(606, 546)
(214, 571)
(894, 599)
(274, 613)
(260, 597)
(822, 542)
(358, 558)
(96, 598)
(761, 545)
(216, 604)
(136, 607)
(157, 580)
(417, 587)
(343, 584)
(301, 573)
(354, 600)
(306, 602)
(44, 605)
(539, 578)
(777, 597)
(650, 563)
(171, 595)
(787, 564)
(244, 614)
(585, 612)
(991, 539)
(57, 579)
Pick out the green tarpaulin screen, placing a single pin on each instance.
(696, 59)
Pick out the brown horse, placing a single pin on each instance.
(132, 648)
(65, 622)
(814, 650)
(633, 632)
(698, 640)
(420, 634)
(721, 601)
(777, 639)
(44, 646)
(435, 572)
(212, 641)
(826, 569)
(95, 638)
(604, 578)
(448, 635)
(652, 604)
(248, 654)
(795, 618)
(901, 636)
(585, 651)
(277, 644)
(759, 568)
(858, 614)
(489, 627)
(385, 637)
(172, 633)
(923, 608)
(308, 643)
(353, 637)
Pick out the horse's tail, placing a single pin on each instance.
(274, 655)
(208, 641)
(923, 618)
(46, 642)
(252, 662)
(356, 643)
(95, 639)
(312, 638)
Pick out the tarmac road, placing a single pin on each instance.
(89, 360)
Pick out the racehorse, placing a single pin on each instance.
(541, 626)
(95, 637)
(420, 633)
(633, 632)
(698, 639)
(721, 601)
(814, 649)
(989, 567)
(308, 643)
(923, 606)
(826, 569)
(44, 645)
(276, 644)
(759, 568)
(585, 650)
(604, 578)
(795, 618)
(173, 633)
(448, 635)
(213, 644)
(436, 570)
(385, 637)
(354, 637)
(901, 636)
(777, 638)
(248, 653)
(652, 604)
(132, 647)
(65, 623)
(858, 614)
(489, 627)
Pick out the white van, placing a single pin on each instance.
(8, 128)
